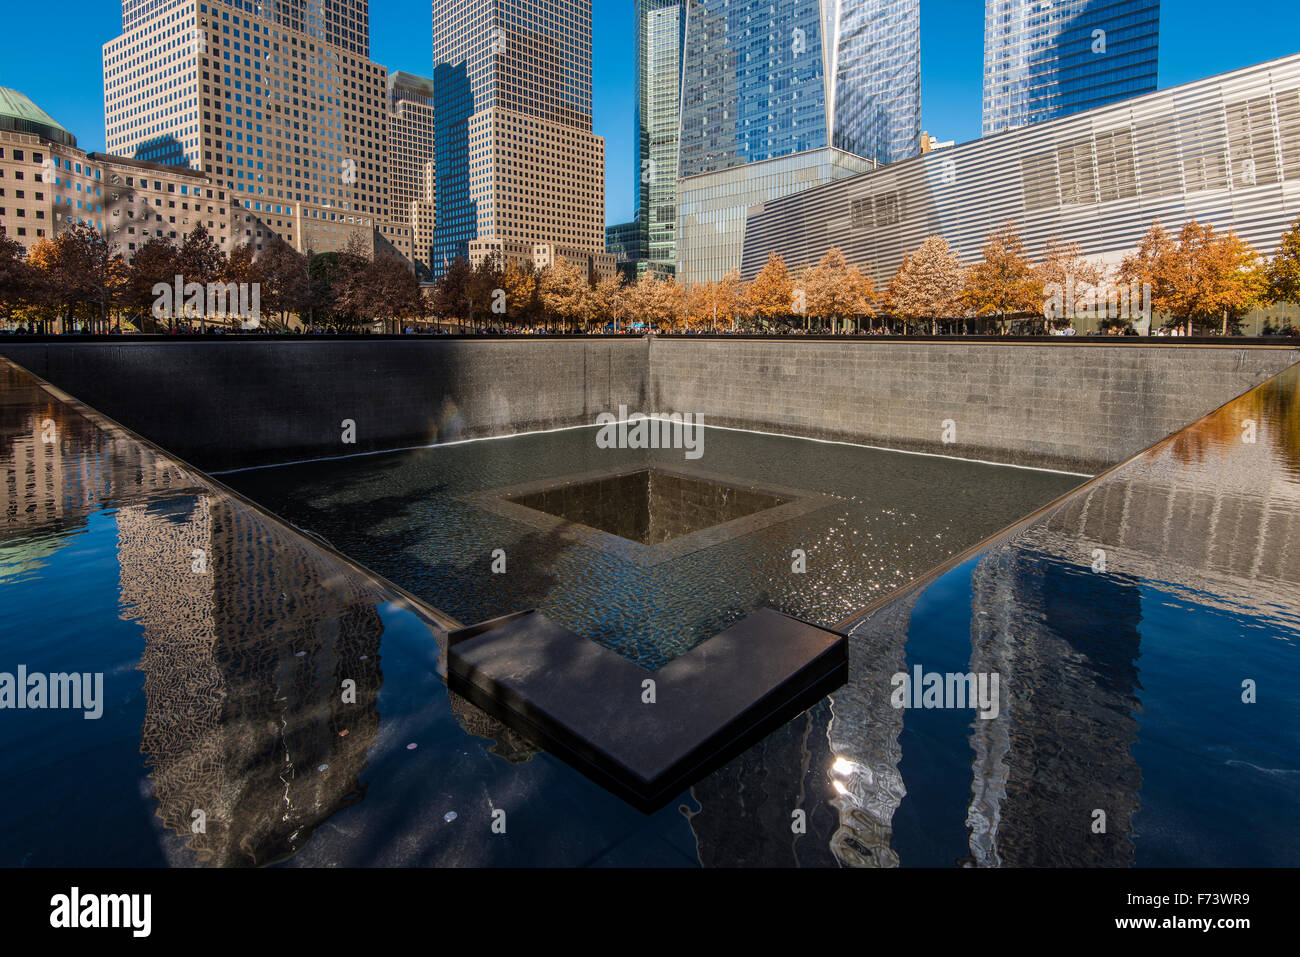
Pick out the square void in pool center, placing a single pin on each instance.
(649, 514)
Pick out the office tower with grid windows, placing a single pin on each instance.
(410, 167)
(276, 101)
(518, 173)
(1044, 60)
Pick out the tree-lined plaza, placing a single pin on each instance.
(1197, 279)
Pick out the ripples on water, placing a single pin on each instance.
(890, 517)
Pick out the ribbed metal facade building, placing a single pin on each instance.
(1224, 150)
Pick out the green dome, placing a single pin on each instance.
(21, 115)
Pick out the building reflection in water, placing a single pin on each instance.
(250, 633)
(245, 661)
(1064, 642)
(1210, 516)
(245, 667)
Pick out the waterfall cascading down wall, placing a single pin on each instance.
(1080, 406)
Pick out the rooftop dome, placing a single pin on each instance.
(21, 115)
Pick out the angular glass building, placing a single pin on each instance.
(714, 207)
(779, 97)
(1046, 60)
(762, 80)
(659, 30)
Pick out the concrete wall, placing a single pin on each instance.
(240, 402)
(1080, 405)
(1076, 405)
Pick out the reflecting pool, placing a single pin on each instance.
(642, 550)
(267, 701)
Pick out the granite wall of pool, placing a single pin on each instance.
(1076, 405)
(1079, 405)
(244, 402)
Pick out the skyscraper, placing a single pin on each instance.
(278, 102)
(1045, 60)
(659, 31)
(518, 172)
(781, 97)
(410, 156)
(762, 80)
(341, 23)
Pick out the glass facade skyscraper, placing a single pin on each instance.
(659, 31)
(1048, 59)
(762, 80)
(782, 97)
(876, 84)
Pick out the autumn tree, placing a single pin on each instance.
(660, 303)
(771, 295)
(80, 268)
(928, 285)
(700, 300)
(487, 278)
(730, 294)
(563, 290)
(1204, 276)
(711, 303)
(1003, 282)
(285, 280)
(523, 303)
(604, 301)
(200, 260)
(1063, 266)
(451, 298)
(1152, 265)
(17, 278)
(837, 291)
(1065, 260)
(1282, 275)
(154, 263)
(243, 270)
(353, 305)
(46, 295)
(393, 291)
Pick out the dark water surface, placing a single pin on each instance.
(883, 519)
(1145, 636)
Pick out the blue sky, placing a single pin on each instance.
(53, 55)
